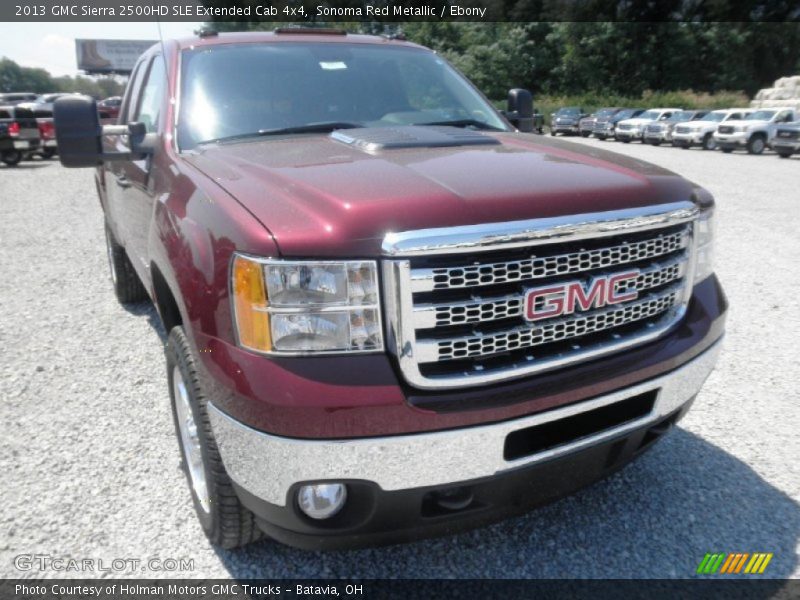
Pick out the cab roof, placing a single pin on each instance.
(286, 34)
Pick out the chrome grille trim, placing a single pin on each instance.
(553, 330)
(425, 280)
(413, 344)
(519, 234)
(482, 310)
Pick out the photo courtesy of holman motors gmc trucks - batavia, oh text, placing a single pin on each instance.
(392, 311)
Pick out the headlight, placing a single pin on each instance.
(306, 307)
(704, 245)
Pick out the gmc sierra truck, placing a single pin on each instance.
(755, 131)
(701, 132)
(606, 127)
(657, 133)
(392, 312)
(634, 128)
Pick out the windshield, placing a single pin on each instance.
(650, 115)
(569, 111)
(605, 112)
(761, 115)
(715, 116)
(625, 114)
(683, 115)
(242, 90)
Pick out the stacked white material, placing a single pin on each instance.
(785, 93)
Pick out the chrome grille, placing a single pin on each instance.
(725, 129)
(788, 134)
(550, 331)
(654, 128)
(539, 267)
(456, 309)
(492, 309)
(683, 129)
(624, 126)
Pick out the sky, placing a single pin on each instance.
(51, 46)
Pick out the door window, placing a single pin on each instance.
(152, 95)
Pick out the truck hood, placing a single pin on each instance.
(637, 121)
(742, 122)
(321, 197)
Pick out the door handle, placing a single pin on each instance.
(123, 181)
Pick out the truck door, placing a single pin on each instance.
(135, 180)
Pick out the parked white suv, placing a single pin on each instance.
(755, 131)
(633, 129)
(701, 132)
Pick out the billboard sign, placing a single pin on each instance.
(109, 56)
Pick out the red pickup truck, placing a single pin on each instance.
(392, 312)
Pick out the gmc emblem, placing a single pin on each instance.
(567, 298)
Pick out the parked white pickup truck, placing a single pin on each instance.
(633, 129)
(701, 132)
(755, 131)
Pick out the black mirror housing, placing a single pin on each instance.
(78, 131)
(520, 109)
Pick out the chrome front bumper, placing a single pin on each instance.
(692, 138)
(268, 466)
(739, 138)
(793, 144)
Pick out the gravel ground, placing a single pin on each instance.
(90, 463)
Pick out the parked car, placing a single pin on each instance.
(50, 98)
(19, 134)
(43, 113)
(661, 131)
(587, 124)
(565, 120)
(755, 131)
(606, 127)
(787, 139)
(14, 98)
(633, 129)
(700, 132)
(109, 108)
(390, 314)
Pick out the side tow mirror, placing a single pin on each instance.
(520, 109)
(78, 131)
(80, 136)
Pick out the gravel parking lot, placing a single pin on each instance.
(91, 466)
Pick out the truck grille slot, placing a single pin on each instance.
(539, 438)
(460, 318)
(725, 129)
(682, 129)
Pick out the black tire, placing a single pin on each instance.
(553, 132)
(586, 133)
(12, 158)
(784, 153)
(655, 143)
(600, 137)
(48, 153)
(127, 285)
(756, 144)
(726, 150)
(709, 143)
(625, 140)
(226, 523)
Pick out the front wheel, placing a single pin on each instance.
(784, 153)
(625, 140)
(225, 521)
(709, 143)
(600, 137)
(13, 158)
(655, 143)
(586, 133)
(727, 149)
(756, 144)
(48, 153)
(553, 132)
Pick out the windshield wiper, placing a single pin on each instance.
(310, 128)
(461, 123)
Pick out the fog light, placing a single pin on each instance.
(322, 501)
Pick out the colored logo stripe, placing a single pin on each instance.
(724, 563)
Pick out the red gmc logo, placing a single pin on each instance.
(567, 298)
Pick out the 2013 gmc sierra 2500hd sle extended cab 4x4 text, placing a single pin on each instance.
(392, 313)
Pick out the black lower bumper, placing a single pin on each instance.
(375, 517)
